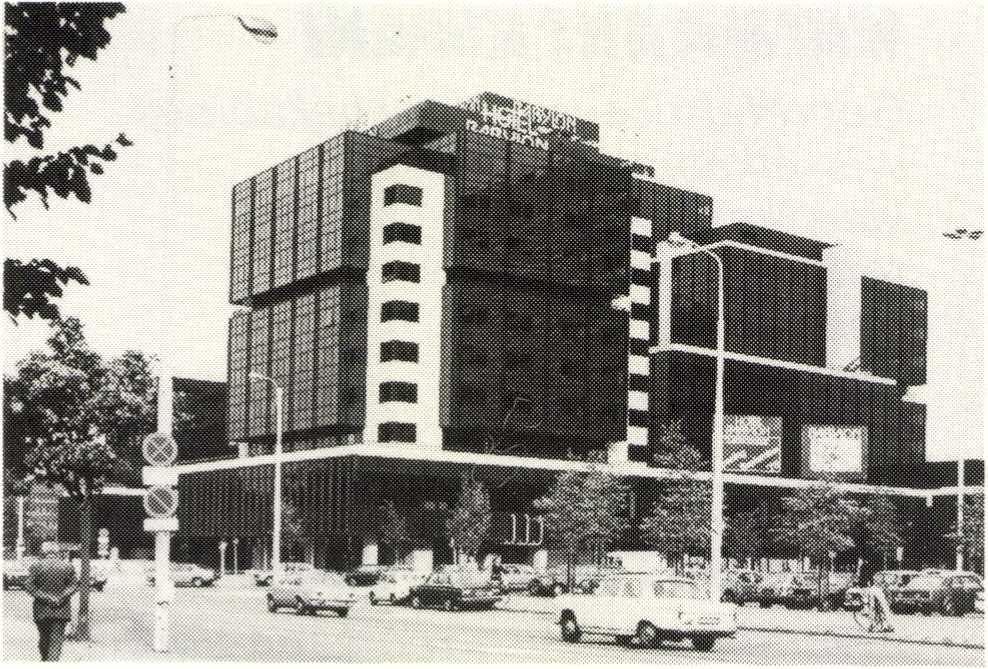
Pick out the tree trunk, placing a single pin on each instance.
(82, 631)
(823, 586)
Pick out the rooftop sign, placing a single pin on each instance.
(525, 123)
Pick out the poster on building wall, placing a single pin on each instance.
(834, 450)
(753, 444)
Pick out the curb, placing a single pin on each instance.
(784, 630)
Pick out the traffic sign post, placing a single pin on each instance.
(161, 503)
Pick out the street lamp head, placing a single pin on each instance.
(677, 239)
(260, 29)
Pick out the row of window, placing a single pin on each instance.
(403, 194)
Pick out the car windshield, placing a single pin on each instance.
(321, 577)
(675, 590)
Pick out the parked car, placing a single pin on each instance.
(395, 586)
(585, 579)
(646, 609)
(888, 581)
(311, 591)
(741, 587)
(790, 589)
(513, 577)
(452, 590)
(952, 593)
(365, 574)
(187, 574)
(262, 578)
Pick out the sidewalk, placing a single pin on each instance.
(967, 631)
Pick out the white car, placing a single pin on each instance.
(310, 592)
(646, 609)
(187, 574)
(264, 577)
(395, 586)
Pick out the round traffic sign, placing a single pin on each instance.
(160, 502)
(159, 449)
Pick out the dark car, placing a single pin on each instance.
(452, 591)
(790, 589)
(365, 574)
(14, 576)
(741, 587)
(952, 593)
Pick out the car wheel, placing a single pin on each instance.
(272, 607)
(703, 643)
(448, 605)
(392, 599)
(373, 599)
(558, 589)
(342, 613)
(647, 635)
(534, 588)
(729, 597)
(351, 581)
(300, 608)
(197, 582)
(98, 587)
(416, 602)
(569, 629)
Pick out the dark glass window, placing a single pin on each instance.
(472, 395)
(404, 194)
(398, 270)
(475, 316)
(404, 432)
(519, 322)
(642, 243)
(399, 350)
(399, 310)
(398, 391)
(402, 232)
(638, 347)
(638, 382)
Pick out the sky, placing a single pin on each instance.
(857, 124)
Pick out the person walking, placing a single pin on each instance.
(51, 582)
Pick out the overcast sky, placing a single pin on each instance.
(858, 125)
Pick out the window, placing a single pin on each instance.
(472, 395)
(402, 232)
(475, 316)
(399, 350)
(403, 432)
(519, 322)
(398, 391)
(399, 310)
(403, 194)
(398, 270)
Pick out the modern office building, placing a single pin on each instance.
(477, 288)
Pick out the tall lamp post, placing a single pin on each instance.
(717, 441)
(276, 520)
(961, 234)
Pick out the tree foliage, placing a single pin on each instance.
(469, 524)
(584, 510)
(748, 533)
(972, 535)
(42, 42)
(879, 530)
(673, 450)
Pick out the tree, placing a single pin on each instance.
(393, 528)
(42, 41)
(469, 524)
(83, 410)
(748, 533)
(583, 510)
(879, 530)
(971, 538)
(818, 521)
(680, 519)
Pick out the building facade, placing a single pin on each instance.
(477, 288)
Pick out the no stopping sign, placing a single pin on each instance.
(161, 502)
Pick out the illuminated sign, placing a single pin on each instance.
(525, 123)
(753, 444)
(834, 450)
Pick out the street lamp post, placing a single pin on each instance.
(276, 520)
(20, 529)
(717, 441)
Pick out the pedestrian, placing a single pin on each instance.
(51, 582)
(880, 619)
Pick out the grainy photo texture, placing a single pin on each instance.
(483, 332)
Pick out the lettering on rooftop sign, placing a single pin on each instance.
(525, 123)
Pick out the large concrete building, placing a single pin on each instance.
(478, 288)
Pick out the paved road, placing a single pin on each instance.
(216, 624)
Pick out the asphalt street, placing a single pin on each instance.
(218, 624)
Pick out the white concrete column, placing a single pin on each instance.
(369, 553)
(540, 560)
(422, 561)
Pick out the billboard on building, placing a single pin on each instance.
(753, 444)
(525, 123)
(834, 451)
